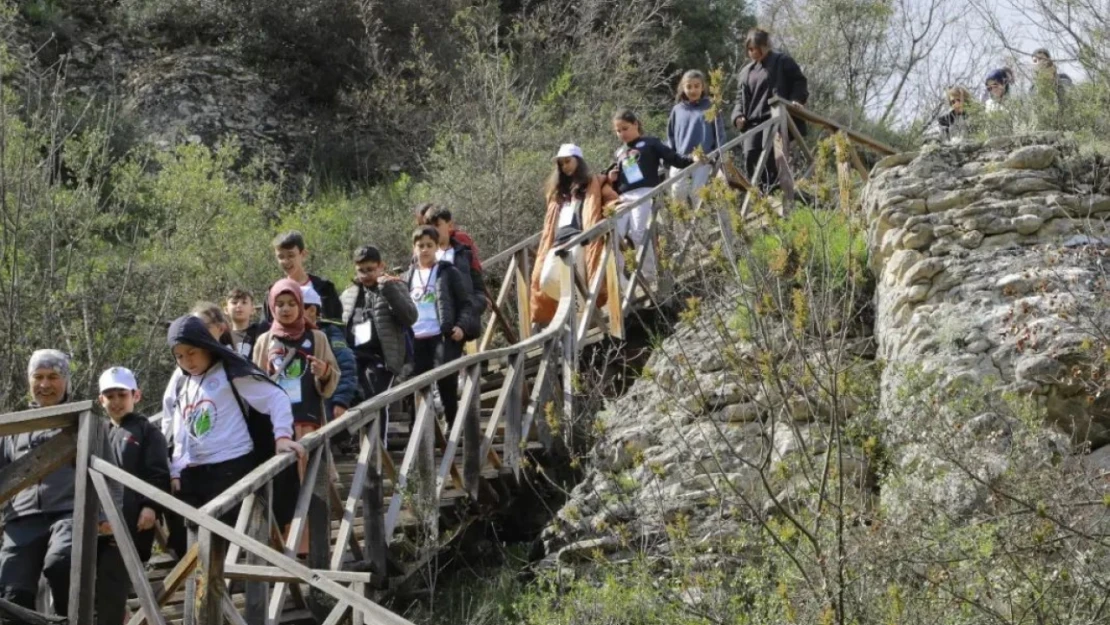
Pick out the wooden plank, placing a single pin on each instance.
(241, 522)
(377, 614)
(374, 538)
(230, 614)
(136, 570)
(296, 528)
(319, 530)
(781, 140)
(499, 304)
(814, 118)
(211, 590)
(524, 293)
(82, 570)
(797, 134)
(60, 416)
(420, 424)
(60, 450)
(514, 419)
(170, 584)
(20, 614)
(592, 293)
(858, 163)
(499, 408)
(613, 288)
(497, 312)
(535, 406)
(274, 574)
(353, 497)
(504, 255)
(257, 593)
(472, 428)
(338, 613)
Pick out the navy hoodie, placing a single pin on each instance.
(688, 128)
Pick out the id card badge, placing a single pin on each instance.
(630, 166)
(292, 388)
(567, 214)
(363, 333)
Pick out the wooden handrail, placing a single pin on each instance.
(42, 418)
(802, 112)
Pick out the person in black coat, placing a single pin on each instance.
(140, 449)
(445, 314)
(768, 75)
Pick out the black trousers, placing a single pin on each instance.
(430, 353)
(34, 545)
(375, 378)
(769, 179)
(202, 483)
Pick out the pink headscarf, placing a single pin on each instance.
(293, 330)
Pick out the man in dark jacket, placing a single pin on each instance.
(377, 314)
(769, 74)
(460, 254)
(140, 449)
(291, 254)
(38, 521)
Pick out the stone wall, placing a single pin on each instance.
(990, 260)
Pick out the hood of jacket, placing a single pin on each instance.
(190, 330)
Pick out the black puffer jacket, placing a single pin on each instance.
(472, 276)
(454, 301)
(392, 311)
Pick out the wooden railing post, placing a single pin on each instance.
(781, 142)
(374, 541)
(472, 431)
(257, 593)
(86, 513)
(319, 530)
(424, 497)
(210, 593)
(524, 293)
(570, 342)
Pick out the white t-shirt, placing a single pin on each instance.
(423, 292)
(207, 424)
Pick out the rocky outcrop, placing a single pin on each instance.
(699, 442)
(991, 285)
(990, 260)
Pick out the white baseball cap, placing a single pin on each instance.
(569, 149)
(312, 298)
(118, 378)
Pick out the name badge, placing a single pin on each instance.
(363, 333)
(631, 168)
(292, 388)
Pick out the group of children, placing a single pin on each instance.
(577, 200)
(243, 390)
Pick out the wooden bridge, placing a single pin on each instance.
(374, 519)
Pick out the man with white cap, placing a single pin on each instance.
(140, 449)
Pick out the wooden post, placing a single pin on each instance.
(82, 571)
(257, 595)
(472, 431)
(425, 501)
(570, 344)
(319, 531)
(212, 552)
(514, 416)
(613, 288)
(524, 293)
(781, 142)
(135, 569)
(374, 545)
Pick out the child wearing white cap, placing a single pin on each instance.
(140, 449)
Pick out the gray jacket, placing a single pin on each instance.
(392, 311)
(54, 493)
